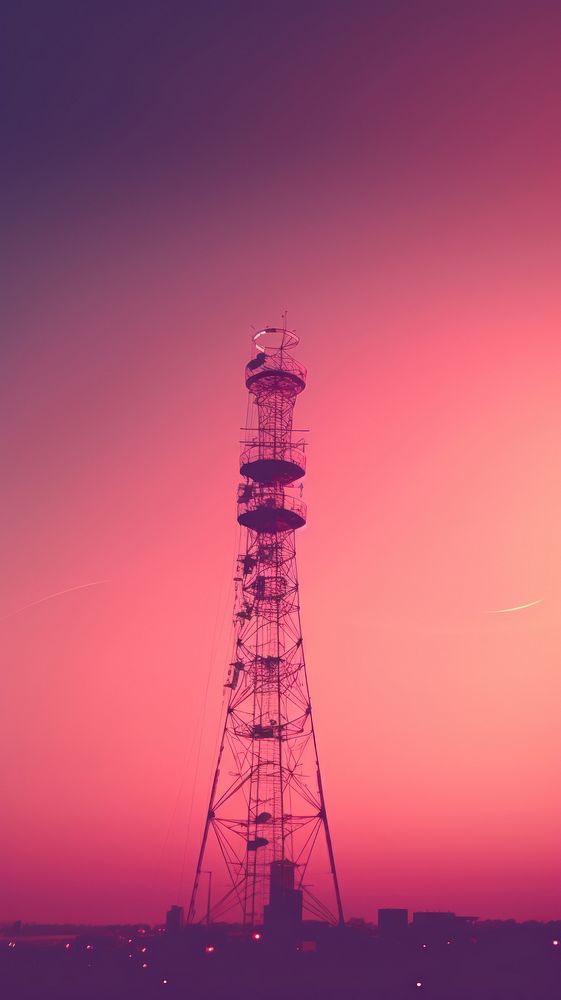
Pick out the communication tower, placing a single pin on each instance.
(266, 837)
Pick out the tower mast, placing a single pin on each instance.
(266, 826)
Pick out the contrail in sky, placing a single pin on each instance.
(519, 607)
(49, 597)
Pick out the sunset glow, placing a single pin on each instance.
(389, 173)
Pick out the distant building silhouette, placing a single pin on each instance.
(392, 921)
(174, 919)
(441, 924)
(284, 909)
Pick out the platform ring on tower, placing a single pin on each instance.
(268, 380)
(276, 338)
(272, 513)
(269, 464)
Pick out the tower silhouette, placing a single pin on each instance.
(266, 837)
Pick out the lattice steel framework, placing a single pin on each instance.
(266, 830)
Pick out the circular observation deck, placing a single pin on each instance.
(270, 464)
(269, 510)
(273, 369)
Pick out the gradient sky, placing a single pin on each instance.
(171, 174)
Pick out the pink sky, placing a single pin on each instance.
(399, 194)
